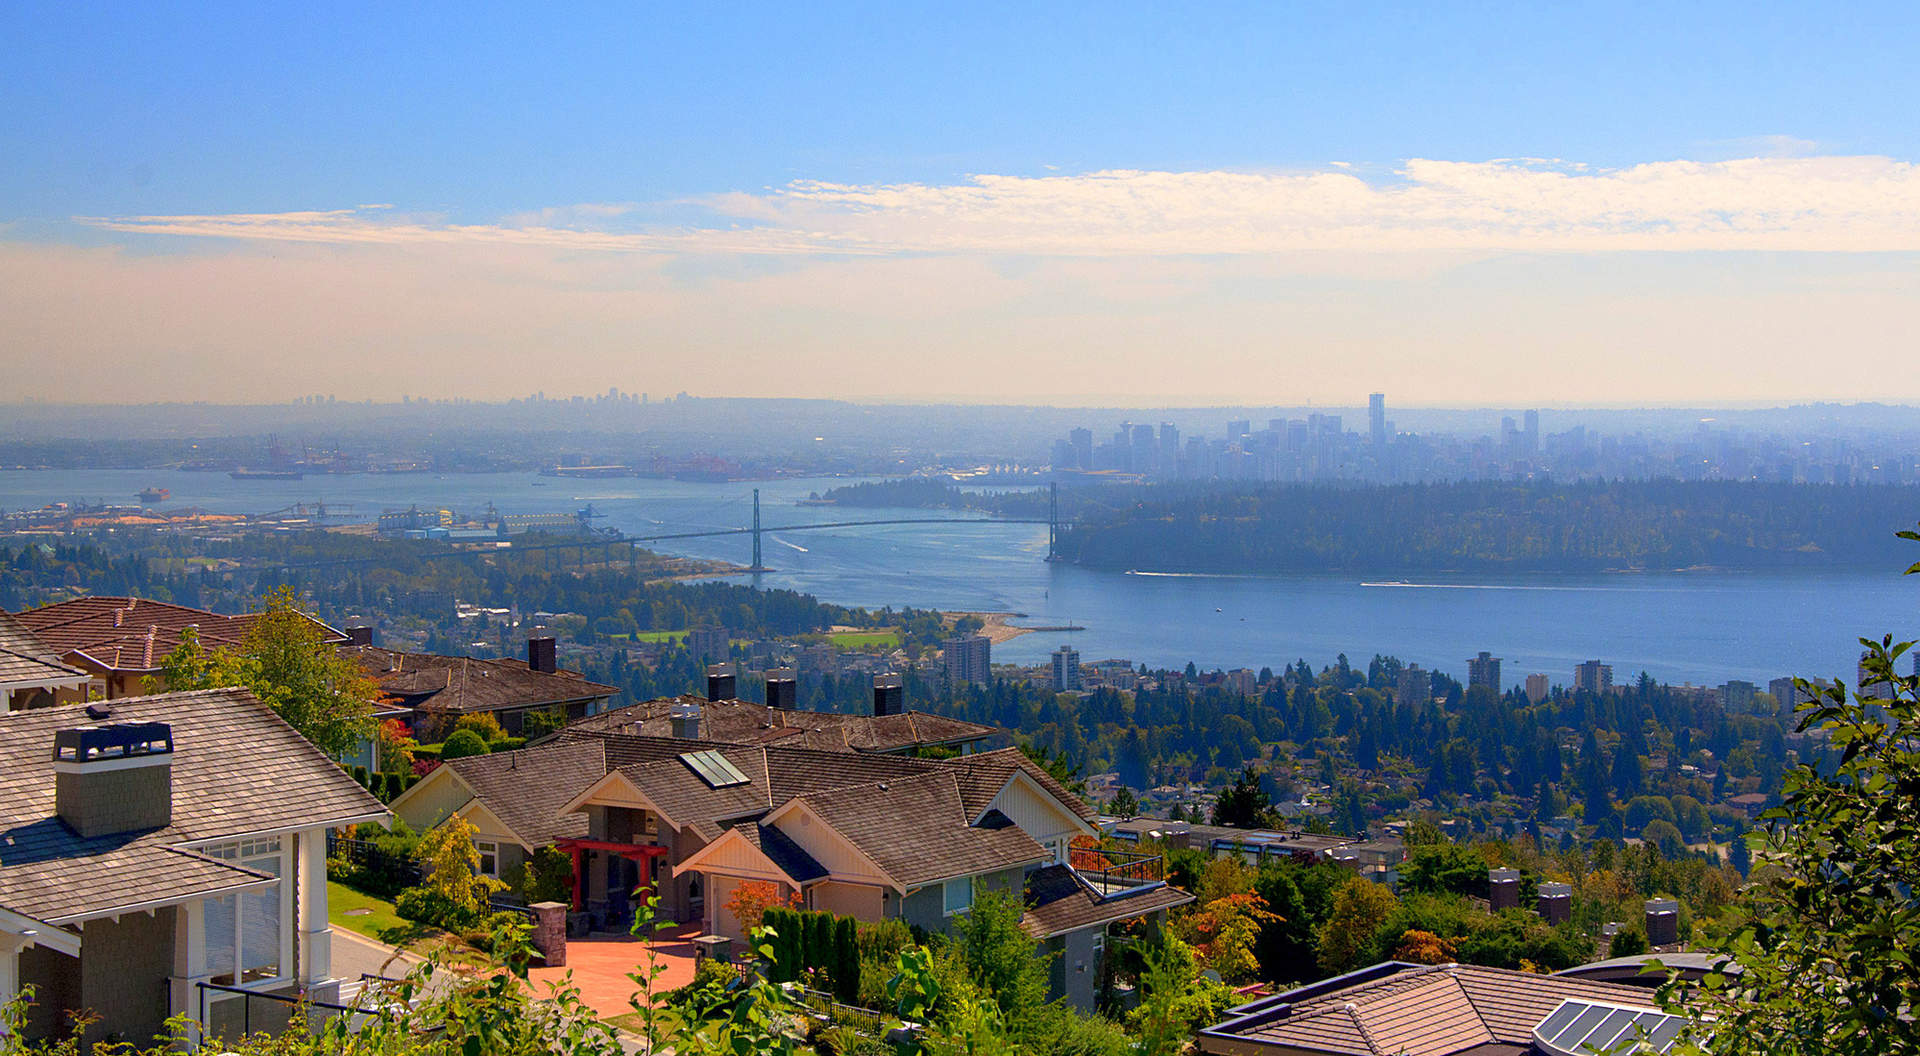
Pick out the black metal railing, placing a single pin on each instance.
(279, 1010)
(397, 869)
(1109, 868)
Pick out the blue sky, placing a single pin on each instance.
(1309, 196)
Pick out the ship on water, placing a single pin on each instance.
(279, 466)
(155, 494)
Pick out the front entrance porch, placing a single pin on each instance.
(609, 879)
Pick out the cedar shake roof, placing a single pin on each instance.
(134, 634)
(526, 789)
(460, 685)
(237, 770)
(1416, 1010)
(25, 658)
(1059, 901)
(744, 722)
(916, 829)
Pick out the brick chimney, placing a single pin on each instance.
(889, 695)
(1556, 902)
(720, 682)
(1503, 889)
(114, 778)
(782, 691)
(541, 656)
(685, 719)
(1663, 921)
(359, 636)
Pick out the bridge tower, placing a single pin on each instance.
(1053, 521)
(757, 565)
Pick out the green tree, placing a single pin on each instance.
(1000, 957)
(286, 661)
(463, 743)
(1826, 950)
(1244, 805)
(1124, 803)
(1360, 907)
(1438, 868)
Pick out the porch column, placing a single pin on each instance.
(10, 969)
(316, 936)
(579, 882)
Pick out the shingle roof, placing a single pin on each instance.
(134, 634)
(463, 684)
(1413, 1009)
(526, 789)
(916, 829)
(237, 769)
(745, 722)
(25, 658)
(1058, 901)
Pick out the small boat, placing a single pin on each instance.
(155, 494)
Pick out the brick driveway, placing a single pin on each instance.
(600, 966)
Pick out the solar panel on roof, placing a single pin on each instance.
(715, 769)
(1591, 1028)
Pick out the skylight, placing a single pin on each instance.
(715, 769)
(1591, 1028)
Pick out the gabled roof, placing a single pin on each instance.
(237, 770)
(460, 685)
(134, 634)
(1416, 1010)
(917, 829)
(745, 722)
(526, 789)
(25, 659)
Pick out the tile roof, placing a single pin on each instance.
(25, 658)
(1059, 901)
(526, 789)
(745, 722)
(133, 634)
(1416, 1010)
(463, 684)
(237, 769)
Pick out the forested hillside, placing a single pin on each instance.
(1489, 526)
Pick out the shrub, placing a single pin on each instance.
(483, 724)
(709, 987)
(549, 876)
(1628, 942)
(424, 905)
(463, 743)
(541, 723)
(360, 775)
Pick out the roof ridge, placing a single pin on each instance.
(1472, 1005)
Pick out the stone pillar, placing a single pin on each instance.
(550, 932)
(1503, 889)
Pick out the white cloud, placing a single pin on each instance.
(1775, 203)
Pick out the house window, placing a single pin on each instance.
(489, 857)
(249, 937)
(958, 895)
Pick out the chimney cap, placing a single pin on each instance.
(717, 670)
(1503, 876)
(685, 709)
(123, 740)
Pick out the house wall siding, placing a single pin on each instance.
(432, 801)
(124, 966)
(849, 900)
(55, 978)
(1039, 816)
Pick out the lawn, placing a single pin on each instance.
(864, 640)
(658, 636)
(381, 917)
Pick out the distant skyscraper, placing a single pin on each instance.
(1082, 441)
(1593, 677)
(1238, 430)
(1066, 669)
(1536, 688)
(1784, 695)
(1377, 419)
(1737, 695)
(969, 658)
(1530, 433)
(1416, 686)
(1484, 670)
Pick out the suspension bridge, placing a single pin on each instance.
(757, 530)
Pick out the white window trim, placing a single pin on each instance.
(485, 848)
(288, 970)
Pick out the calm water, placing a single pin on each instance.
(1698, 627)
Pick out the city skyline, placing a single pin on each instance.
(1483, 206)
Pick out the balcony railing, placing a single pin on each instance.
(1111, 869)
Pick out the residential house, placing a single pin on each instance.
(865, 834)
(121, 642)
(1439, 1010)
(31, 674)
(431, 692)
(1253, 846)
(165, 855)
